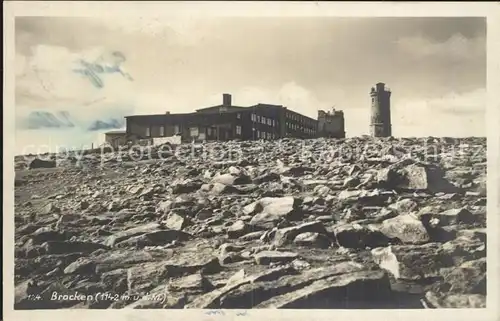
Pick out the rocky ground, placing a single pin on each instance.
(324, 223)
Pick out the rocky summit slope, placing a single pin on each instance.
(323, 223)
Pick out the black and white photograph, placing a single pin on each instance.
(245, 162)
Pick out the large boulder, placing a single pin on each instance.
(469, 277)
(286, 235)
(40, 163)
(270, 210)
(412, 262)
(416, 177)
(407, 228)
(357, 236)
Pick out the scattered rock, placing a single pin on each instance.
(287, 235)
(359, 237)
(352, 290)
(463, 301)
(268, 257)
(407, 228)
(274, 228)
(412, 262)
(470, 277)
(237, 229)
(176, 222)
(270, 210)
(311, 239)
(81, 266)
(39, 163)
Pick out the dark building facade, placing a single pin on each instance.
(225, 122)
(381, 111)
(331, 124)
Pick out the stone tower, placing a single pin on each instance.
(381, 111)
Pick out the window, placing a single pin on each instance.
(176, 130)
(209, 131)
(148, 131)
(269, 121)
(273, 123)
(258, 134)
(238, 130)
(193, 132)
(238, 115)
(253, 117)
(258, 118)
(263, 135)
(263, 120)
(162, 130)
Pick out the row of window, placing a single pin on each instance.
(264, 135)
(306, 130)
(194, 131)
(162, 130)
(260, 134)
(298, 118)
(263, 120)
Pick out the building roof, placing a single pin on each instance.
(115, 132)
(229, 109)
(216, 110)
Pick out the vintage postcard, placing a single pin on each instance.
(251, 160)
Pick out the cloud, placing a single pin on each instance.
(454, 114)
(455, 47)
(182, 64)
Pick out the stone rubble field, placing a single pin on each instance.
(323, 223)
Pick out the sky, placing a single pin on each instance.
(435, 68)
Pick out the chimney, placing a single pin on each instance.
(167, 113)
(226, 100)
